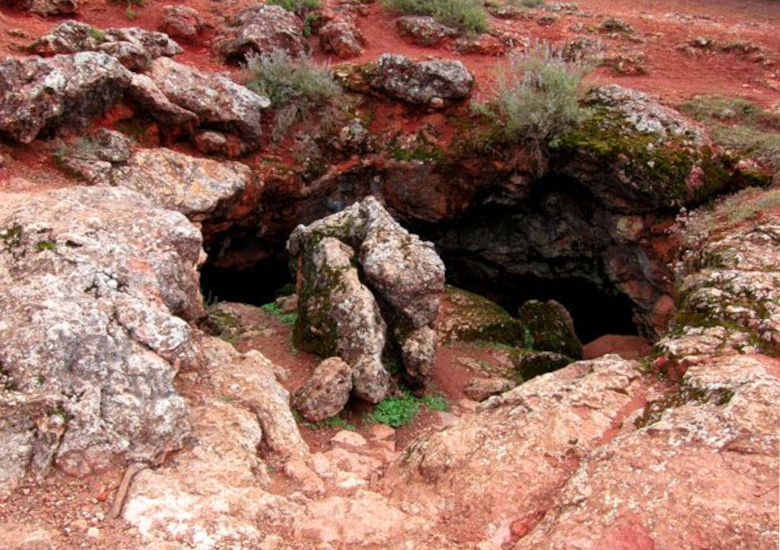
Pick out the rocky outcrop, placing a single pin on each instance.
(343, 38)
(201, 189)
(326, 393)
(423, 82)
(92, 158)
(133, 47)
(632, 460)
(97, 286)
(43, 95)
(260, 29)
(340, 314)
(217, 102)
(181, 22)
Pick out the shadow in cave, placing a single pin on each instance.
(255, 285)
(594, 311)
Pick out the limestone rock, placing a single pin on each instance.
(93, 157)
(144, 92)
(469, 317)
(403, 271)
(133, 46)
(97, 288)
(343, 38)
(528, 364)
(218, 102)
(424, 30)
(327, 391)
(250, 380)
(41, 95)
(198, 188)
(181, 22)
(479, 389)
(550, 327)
(422, 82)
(261, 29)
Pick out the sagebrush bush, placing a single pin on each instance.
(296, 88)
(469, 15)
(537, 99)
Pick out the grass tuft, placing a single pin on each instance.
(468, 15)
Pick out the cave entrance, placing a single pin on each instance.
(256, 285)
(594, 311)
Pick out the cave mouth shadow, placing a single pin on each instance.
(595, 311)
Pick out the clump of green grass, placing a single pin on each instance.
(337, 421)
(468, 15)
(286, 318)
(537, 100)
(741, 126)
(297, 88)
(437, 403)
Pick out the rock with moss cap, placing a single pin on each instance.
(469, 317)
(550, 327)
(637, 155)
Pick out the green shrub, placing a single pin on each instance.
(396, 411)
(296, 6)
(296, 88)
(525, 3)
(465, 14)
(537, 99)
(436, 403)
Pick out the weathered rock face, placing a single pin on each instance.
(261, 29)
(216, 101)
(343, 38)
(48, 7)
(339, 314)
(94, 157)
(133, 46)
(327, 391)
(424, 81)
(97, 287)
(41, 95)
(198, 188)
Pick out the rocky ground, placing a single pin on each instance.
(158, 390)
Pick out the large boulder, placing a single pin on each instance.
(216, 101)
(261, 29)
(422, 82)
(637, 155)
(350, 263)
(549, 327)
(41, 95)
(181, 22)
(97, 287)
(134, 47)
(343, 38)
(327, 391)
(48, 7)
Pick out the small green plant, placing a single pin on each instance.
(46, 245)
(396, 411)
(468, 15)
(437, 403)
(97, 35)
(130, 13)
(297, 6)
(296, 88)
(525, 3)
(537, 100)
(337, 421)
(286, 318)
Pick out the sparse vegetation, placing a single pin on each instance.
(436, 403)
(396, 411)
(337, 421)
(537, 100)
(468, 15)
(286, 318)
(297, 6)
(296, 88)
(741, 126)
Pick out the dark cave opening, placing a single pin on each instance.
(256, 285)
